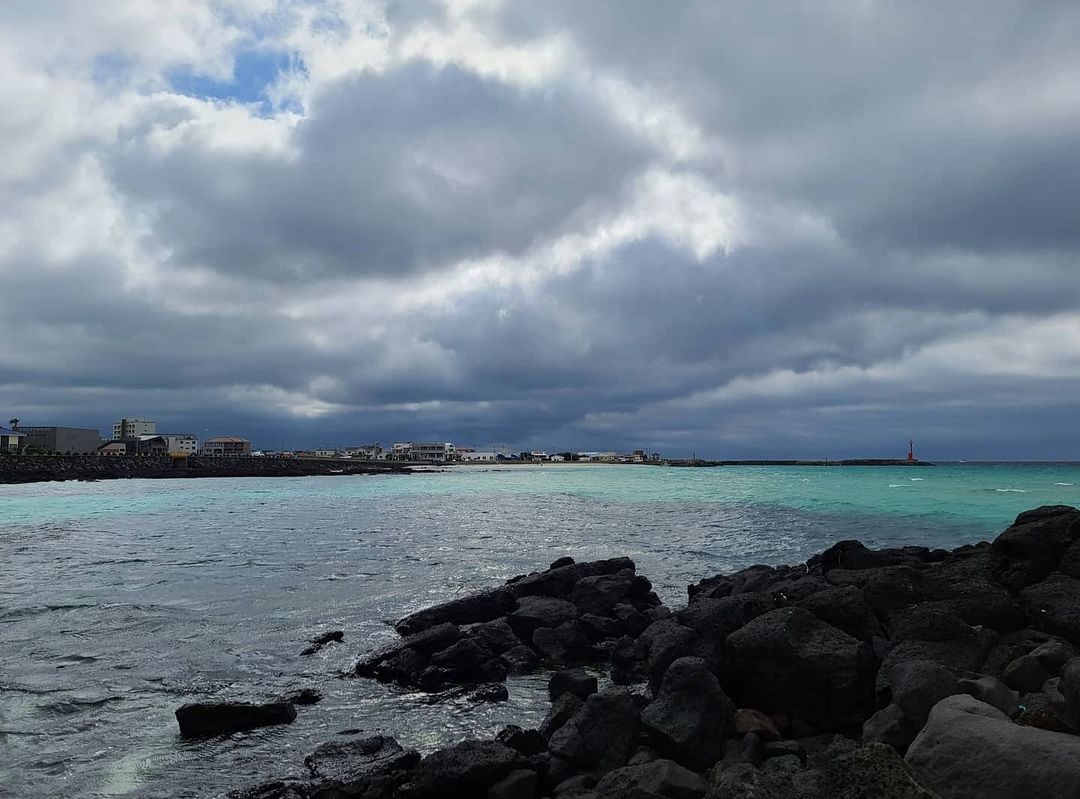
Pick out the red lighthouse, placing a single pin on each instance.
(911, 451)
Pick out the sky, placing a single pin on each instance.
(785, 229)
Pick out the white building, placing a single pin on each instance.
(477, 457)
(133, 428)
(181, 442)
(369, 452)
(423, 451)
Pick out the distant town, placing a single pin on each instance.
(140, 437)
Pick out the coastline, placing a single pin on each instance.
(902, 673)
(19, 469)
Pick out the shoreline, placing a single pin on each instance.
(899, 673)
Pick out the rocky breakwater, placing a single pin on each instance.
(895, 674)
(50, 468)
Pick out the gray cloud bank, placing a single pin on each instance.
(807, 230)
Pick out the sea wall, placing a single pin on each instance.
(48, 468)
(904, 673)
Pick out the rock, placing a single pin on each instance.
(890, 726)
(491, 692)
(1032, 547)
(1045, 712)
(854, 555)
(561, 711)
(528, 742)
(691, 715)
(566, 560)
(715, 619)
(824, 750)
(927, 621)
(519, 659)
(1025, 674)
(496, 635)
(201, 719)
(468, 768)
(896, 587)
(968, 748)
(535, 612)
(790, 661)
(320, 641)
(600, 593)
(351, 759)
(1053, 605)
(601, 735)
(631, 619)
(789, 748)
(571, 681)
(402, 665)
(793, 591)
(1053, 654)
(874, 770)
(845, 609)
(305, 696)
(660, 779)
(967, 654)
(579, 785)
(433, 639)
(918, 685)
(564, 644)
(982, 603)
(1070, 689)
(471, 609)
(993, 692)
(558, 582)
(599, 628)
(462, 663)
(662, 643)
(750, 720)
(747, 749)
(520, 784)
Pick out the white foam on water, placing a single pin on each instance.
(899, 485)
(1010, 490)
(1064, 484)
(916, 479)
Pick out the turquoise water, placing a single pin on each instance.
(121, 600)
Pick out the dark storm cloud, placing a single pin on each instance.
(393, 173)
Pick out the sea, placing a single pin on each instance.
(122, 600)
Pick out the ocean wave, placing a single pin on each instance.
(1011, 490)
(1064, 484)
(916, 479)
(899, 485)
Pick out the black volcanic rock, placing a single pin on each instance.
(481, 607)
(691, 716)
(203, 719)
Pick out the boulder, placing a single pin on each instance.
(484, 606)
(320, 641)
(496, 635)
(761, 724)
(993, 692)
(202, 719)
(917, 685)
(854, 555)
(561, 711)
(1025, 674)
(559, 581)
(520, 784)
(662, 643)
(528, 742)
(715, 619)
(565, 644)
(846, 609)
(691, 716)
(890, 726)
(535, 612)
(1053, 605)
(468, 768)
(600, 593)
(463, 662)
(1070, 690)
(895, 587)
(599, 628)
(304, 696)
(433, 639)
(1053, 654)
(353, 758)
(968, 748)
(1034, 544)
(659, 779)
(790, 661)
(490, 692)
(519, 659)
(874, 770)
(602, 735)
(571, 681)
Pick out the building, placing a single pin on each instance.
(422, 451)
(153, 445)
(370, 452)
(327, 453)
(78, 440)
(472, 456)
(182, 442)
(120, 446)
(226, 447)
(10, 440)
(133, 428)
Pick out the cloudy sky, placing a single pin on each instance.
(737, 229)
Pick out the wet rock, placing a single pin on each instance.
(462, 663)
(350, 759)
(561, 711)
(659, 779)
(491, 692)
(535, 612)
(202, 719)
(496, 635)
(565, 644)
(433, 639)
(968, 748)
(469, 768)
(854, 555)
(600, 593)
(320, 641)
(559, 582)
(305, 696)
(571, 681)
(601, 735)
(1053, 605)
(874, 770)
(528, 742)
(471, 609)
(691, 716)
(1034, 544)
(790, 661)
